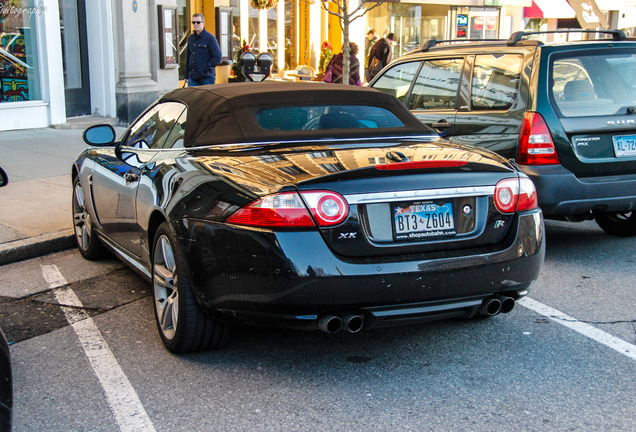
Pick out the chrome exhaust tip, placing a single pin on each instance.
(507, 304)
(490, 306)
(330, 324)
(353, 323)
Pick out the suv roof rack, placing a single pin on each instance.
(430, 43)
(517, 36)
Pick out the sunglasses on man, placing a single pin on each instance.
(196, 22)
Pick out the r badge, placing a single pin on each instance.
(499, 223)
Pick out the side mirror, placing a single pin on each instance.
(99, 135)
(4, 179)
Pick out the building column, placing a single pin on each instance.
(99, 19)
(135, 89)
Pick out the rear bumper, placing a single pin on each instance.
(562, 194)
(291, 279)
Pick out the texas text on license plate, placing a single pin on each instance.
(423, 220)
(625, 145)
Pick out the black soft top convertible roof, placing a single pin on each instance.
(226, 113)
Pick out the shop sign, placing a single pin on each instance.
(462, 20)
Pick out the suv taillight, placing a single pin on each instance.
(514, 194)
(289, 210)
(535, 142)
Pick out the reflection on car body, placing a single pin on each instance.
(305, 205)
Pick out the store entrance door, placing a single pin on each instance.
(75, 57)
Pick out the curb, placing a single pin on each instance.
(36, 246)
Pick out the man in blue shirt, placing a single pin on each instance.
(203, 54)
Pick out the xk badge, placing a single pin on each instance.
(350, 235)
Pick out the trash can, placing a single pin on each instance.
(223, 71)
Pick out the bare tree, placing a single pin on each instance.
(345, 18)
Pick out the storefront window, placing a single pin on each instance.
(411, 24)
(406, 21)
(272, 36)
(19, 68)
(254, 31)
(433, 28)
(70, 45)
(183, 18)
(476, 23)
(237, 44)
(291, 13)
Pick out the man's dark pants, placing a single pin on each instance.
(201, 81)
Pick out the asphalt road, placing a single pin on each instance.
(568, 368)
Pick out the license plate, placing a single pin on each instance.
(423, 220)
(625, 145)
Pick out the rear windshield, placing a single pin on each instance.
(594, 85)
(326, 117)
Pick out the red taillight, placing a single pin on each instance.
(287, 210)
(421, 165)
(535, 142)
(515, 195)
(328, 208)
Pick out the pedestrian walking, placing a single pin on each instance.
(203, 54)
(354, 66)
(380, 54)
(369, 41)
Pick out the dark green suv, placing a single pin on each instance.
(565, 112)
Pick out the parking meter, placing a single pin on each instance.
(264, 62)
(255, 69)
(247, 62)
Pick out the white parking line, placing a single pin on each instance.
(586, 330)
(120, 394)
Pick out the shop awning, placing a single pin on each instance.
(549, 9)
(588, 14)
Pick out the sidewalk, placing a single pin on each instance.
(35, 207)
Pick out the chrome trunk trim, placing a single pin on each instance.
(423, 194)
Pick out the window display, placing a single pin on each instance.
(19, 73)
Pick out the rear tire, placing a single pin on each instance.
(86, 239)
(621, 224)
(182, 324)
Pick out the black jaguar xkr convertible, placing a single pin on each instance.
(305, 205)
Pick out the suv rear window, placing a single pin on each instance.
(594, 85)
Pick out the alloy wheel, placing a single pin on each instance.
(81, 219)
(166, 293)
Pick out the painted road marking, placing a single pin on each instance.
(618, 345)
(120, 394)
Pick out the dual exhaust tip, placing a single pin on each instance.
(353, 323)
(331, 324)
(497, 304)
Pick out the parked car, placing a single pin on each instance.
(6, 382)
(305, 205)
(563, 111)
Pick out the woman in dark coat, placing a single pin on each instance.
(354, 66)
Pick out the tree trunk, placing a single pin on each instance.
(346, 49)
